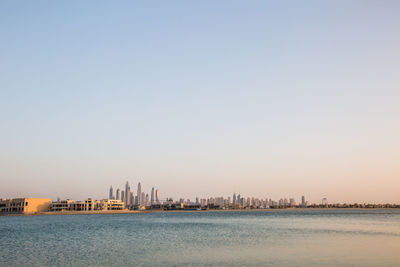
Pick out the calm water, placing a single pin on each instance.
(279, 238)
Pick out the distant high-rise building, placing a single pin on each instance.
(123, 196)
(139, 193)
(234, 199)
(143, 199)
(111, 193)
(152, 196)
(303, 201)
(131, 199)
(117, 194)
(285, 202)
(127, 194)
(241, 201)
(147, 200)
(157, 195)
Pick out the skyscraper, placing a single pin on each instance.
(123, 196)
(127, 194)
(234, 199)
(152, 196)
(117, 194)
(131, 199)
(143, 199)
(139, 193)
(111, 195)
(157, 195)
(303, 201)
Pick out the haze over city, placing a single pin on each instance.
(278, 99)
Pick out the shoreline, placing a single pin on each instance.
(113, 212)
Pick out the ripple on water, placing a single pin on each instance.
(317, 237)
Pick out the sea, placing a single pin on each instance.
(310, 237)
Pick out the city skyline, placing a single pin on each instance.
(201, 99)
(119, 192)
(126, 201)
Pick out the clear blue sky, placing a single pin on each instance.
(263, 98)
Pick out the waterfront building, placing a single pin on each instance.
(152, 196)
(89, 204)
(77, 206)
(109, 204)
(157, 196)
(24, 205)
(62, 205)
(123, 196)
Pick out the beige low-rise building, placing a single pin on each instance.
(72, 205)
(110, 204)
(86, 205)
(24, 205)
(62, 205)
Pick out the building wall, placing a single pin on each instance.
(24, 205)
(37, 205)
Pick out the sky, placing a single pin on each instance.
(201, 98)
